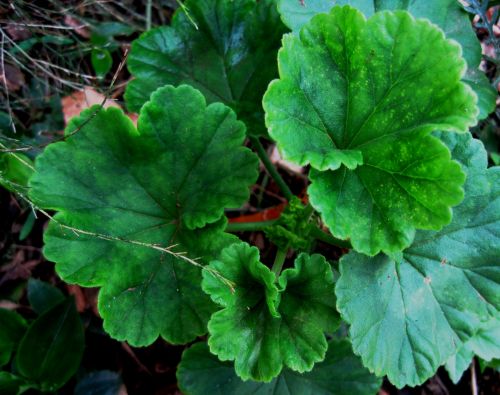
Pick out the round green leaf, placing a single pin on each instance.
(447, 14)
(133, 191)
(341, 373)
(102, 61)
(226, 49)
(410, 313)
(364, 94)
(52, 348)
(264, 326)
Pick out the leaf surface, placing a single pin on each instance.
(226, 49)
(447, 14)
(52, 348)
(43, 296)
(102, 382)
(410, 313)
(363, 94)
(133, 191)
(484, 344)
(263, 325)
(12, 329)
(341, 373)
(11, 384)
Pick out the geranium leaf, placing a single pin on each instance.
(163, 184)
(341, 373)
(264, 325)
(447, 14)
(226, 49)
(410, 313)
(486, 94)
(484, 344)
(344, 89)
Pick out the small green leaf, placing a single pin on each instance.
(292, 229)
(264, 326)
(410, 313)
(484, 344)
(15, 171)
(226, 49)
(346, 94)
(111, 29)
(51, 350)
(12, 329)
(28, 226)
(102, 61)
(164, 184)
(341, 373)
(43, 296)
(102, 382)
(494, 364)
(447, 14)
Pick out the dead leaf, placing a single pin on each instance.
(14, 77)
(75, 103)
(80, 300)
(18, 32)
(79, 27)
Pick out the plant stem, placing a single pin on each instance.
(149, 6)
(473, 380)
(260, 225)
(329, 239)
(279, 260)
(270, 167)
(248, 226)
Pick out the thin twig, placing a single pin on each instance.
(473, 379)
(149, 6)
(80, 126)
(165, 250)
(4, 80)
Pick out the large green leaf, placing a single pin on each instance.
(264, 326)
(485, 344)
(341, 373)
(447, 14)
(52, 348)
(410, 313)
(364, 94)
(165, 183)
(226, 49)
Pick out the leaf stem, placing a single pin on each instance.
(279, 260)
(328, 238)
(270, 167)
(473, 381)
(316, 232)
(248, 226)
